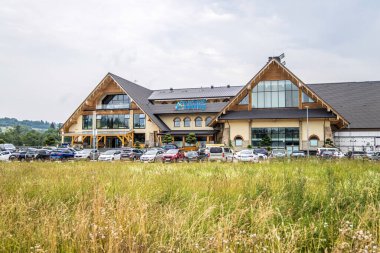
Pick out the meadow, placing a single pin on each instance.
(281, 206)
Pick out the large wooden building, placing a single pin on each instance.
(275, 102)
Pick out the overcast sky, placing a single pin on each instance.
(53, 53)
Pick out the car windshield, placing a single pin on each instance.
(151, 152)
(172, 151)
(109, 152)
(192, 153)
(246, 152)
(278, 151)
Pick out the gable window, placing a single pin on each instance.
(177, 122)
(186, 122)
(117, 101)
(208, 120)
(139, 121)
(87, 122)
(198, 122)
(306, 98)
(275, 94)
(244, 101)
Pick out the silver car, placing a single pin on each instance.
(87, 154)
(152, 155)
(219, 154)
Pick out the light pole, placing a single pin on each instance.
(307, 130)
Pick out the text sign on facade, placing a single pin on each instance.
(199, 104)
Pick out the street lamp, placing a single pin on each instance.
(307, 130)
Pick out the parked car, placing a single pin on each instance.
(173, 155)
(202, 154)
(219, 154)
(87, 154)
(298, 154)
(338, 154)
(42, 155)
(131, 154)
(327, 154)
(110, 155)
(192, 156)
(262, 153)
(23, 154)
(369, 154)
(247, 155)
(278, 153)
(169, 146)
(62, 154)
(321, 150)
(7, 147)
(30, 154)
(375, 156)
(152, 155)
(5, 155)
(356, 154)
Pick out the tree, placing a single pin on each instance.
(31, 138)
(167, 139)
(266, 142)
(191, 138)
(137, 144)
(2, 141)
(50, 140)
(52, 125)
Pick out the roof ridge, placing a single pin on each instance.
(206, 87)
(351, 82)
(117, 76)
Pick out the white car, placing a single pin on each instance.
(338, 154)
(4, 156)
(247, 155)
(86, 154)
(110, 155)
(152, 155)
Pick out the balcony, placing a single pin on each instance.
(112, 106)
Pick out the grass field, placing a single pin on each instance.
(315, 206)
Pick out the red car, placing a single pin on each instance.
(173, 155)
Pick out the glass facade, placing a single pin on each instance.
(275, 94)
(87, 122)
(119, 121)
(118, 101)
(244, 101)
(139, 121)
(282, 137)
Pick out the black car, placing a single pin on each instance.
(202, 154)
(132, 154)
(169, 146)
(261, 151)
(192, 156)
(42, 155)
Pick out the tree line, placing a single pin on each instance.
(25, 136)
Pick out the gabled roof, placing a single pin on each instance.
(140, 95)
(358, 102)
(195, 93)
(257, 78)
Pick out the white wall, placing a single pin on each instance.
(368, 140)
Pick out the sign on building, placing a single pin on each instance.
(199, 104)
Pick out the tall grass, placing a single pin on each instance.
(299, 206)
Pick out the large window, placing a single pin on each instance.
(118, 101)
(87, 122)
(187, 122)
(282, 137)
(198, 122)
(177, 122)
(139, 120)
(275, 94)
(244, 101)
(119, 121)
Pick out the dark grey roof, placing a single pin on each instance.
(357, 102)
(190, 93)
(140, 95)
(185, 132)
(170, 108)
(276, 113)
